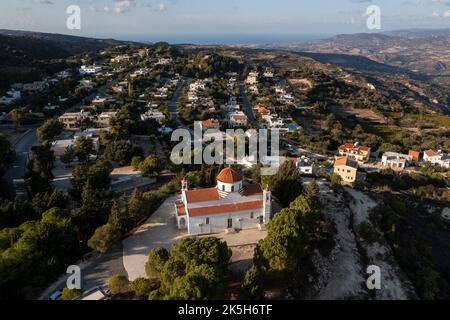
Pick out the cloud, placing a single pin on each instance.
(121, 6)
(447, 14)
(43, 1)
(162, 7)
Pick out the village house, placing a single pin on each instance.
(89, 70)
(210, 124)
(268, 74)
(415, 155)
(354, 151)
(252, 78)
(237, 119)
(305, 166)
(437, 158)
(86, 84)
(121, 58)
(263, 110)
(104, 118)
(102, 100)
(63, 74)
(152, 114)
(37, 86)
(230, 107)
(233, 204)
(71, 120)
(347, 169)
(395, 161)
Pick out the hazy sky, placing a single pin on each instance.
(136, 18)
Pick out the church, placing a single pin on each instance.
(233, 204)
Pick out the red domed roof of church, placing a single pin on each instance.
(229, 175)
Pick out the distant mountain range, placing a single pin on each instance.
(424, 52)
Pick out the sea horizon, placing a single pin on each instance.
(223, 39)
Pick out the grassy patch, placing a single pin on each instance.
(382, 130)
(436, 119)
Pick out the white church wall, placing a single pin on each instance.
(219, 223)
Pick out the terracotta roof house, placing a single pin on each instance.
(233, 204)
(263, 110)
(415, 155)
(355, 151)
(347, 169)
(437, 158)
(210, 124)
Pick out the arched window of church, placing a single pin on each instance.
(223, 188)
(232, 188)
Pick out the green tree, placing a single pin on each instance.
(290, 233)
(45, 201)
(151, 166)
(104, 238)
(156, 261)
(194, 269)
(41, 165)
(99, 175)
(312, 189)
(122, 151)
(286, 184)
(252, 287)
(17, 116)
(136, 162)
(142, 287)
(118, 218)
(336, 181)
(71, 294)
(137, 207)
(49, 130)
(119, 284)
(200, 283)
(69, 155)
(84, 148)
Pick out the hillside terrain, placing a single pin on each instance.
(27, 56)
(426, 52)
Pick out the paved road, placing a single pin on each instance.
(94, 273)
(248, 105)
(173, 103)
(17, 169)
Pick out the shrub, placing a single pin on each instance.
(119, 284)
(71, 294)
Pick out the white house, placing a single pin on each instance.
(232, 205)
(88, 70)
(395, 160)
(437, 158)
(237, 119)
(156, 115)
(305, 166)
(105, 117)
(252, 78)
